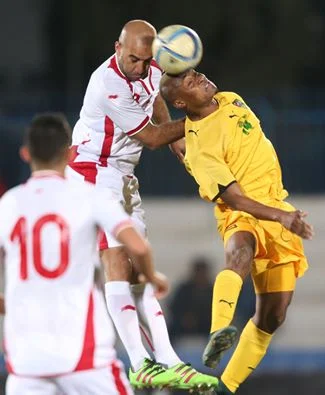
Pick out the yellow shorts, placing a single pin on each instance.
(279, 254)
(279, 278)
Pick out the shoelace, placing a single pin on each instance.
(154, 366)
(183, 373)
(180, 367)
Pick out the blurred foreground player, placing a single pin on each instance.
(236, 167)
(57, 333)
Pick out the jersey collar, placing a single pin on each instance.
(114, 65)
(46, 174)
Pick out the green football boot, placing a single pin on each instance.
(152, 375)
(220, 341)
(192, 380)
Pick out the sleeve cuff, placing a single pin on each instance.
(121, 226)
(222, 189)
(138, 129)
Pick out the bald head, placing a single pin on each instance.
(134, 49)
(137, 30)
(169, 86)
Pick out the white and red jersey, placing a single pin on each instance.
(114, 109)
(56, 320)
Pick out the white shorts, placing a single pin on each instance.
(126, 190)
(111, 380)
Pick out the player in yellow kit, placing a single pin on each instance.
(236, 167)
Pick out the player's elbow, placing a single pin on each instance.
(141, 249)
(233, 199)
(148, 139)
(152, 137)
(230, 201)
(152, 145)
(235, 205)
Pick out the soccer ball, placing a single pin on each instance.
(177, 48)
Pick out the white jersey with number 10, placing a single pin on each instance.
(56, 322)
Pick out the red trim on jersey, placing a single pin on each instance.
(86, 360)
(103, 243)
(145, 86)
(73, 153)
(86, 169)
(127, 223)
(108, 141)
(116, 372)
(139, 127)
(102, 239)
(114, 65)
(155, 64)
(150, 79)
(7, 359)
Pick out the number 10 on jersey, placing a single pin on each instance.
(19, 234)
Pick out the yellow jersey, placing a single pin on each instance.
(229, 146)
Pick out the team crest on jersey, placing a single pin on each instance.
(245, 125)
(239, 103)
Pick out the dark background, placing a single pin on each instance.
(270, 52)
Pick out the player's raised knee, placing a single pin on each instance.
(240, 259)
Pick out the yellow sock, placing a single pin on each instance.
(226, 291)
(249, 352)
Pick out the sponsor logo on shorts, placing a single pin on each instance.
(233, 226)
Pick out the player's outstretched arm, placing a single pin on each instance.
(160, 111)
(161, 115)
(140, 252)
(294, 220)
(156, 136)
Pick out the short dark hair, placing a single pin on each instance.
(48, 136)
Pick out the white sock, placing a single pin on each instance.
(121, 307)
(152, 319)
